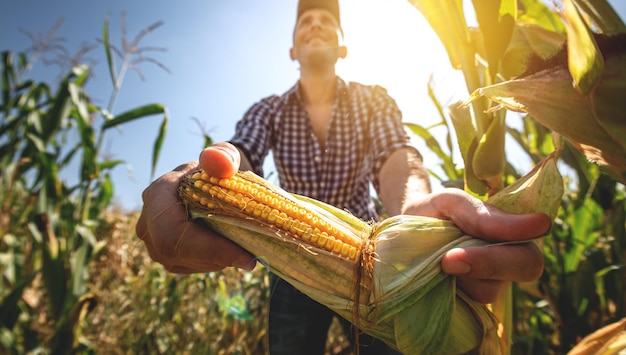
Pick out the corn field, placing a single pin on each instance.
(75, 279)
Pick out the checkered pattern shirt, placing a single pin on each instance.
(364, 129)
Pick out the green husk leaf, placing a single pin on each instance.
(395, 291)
(540, 190)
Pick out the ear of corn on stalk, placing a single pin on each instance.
(593, 123)
(383, 277)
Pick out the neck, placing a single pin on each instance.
(318, 88)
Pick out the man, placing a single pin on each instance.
(330, 140)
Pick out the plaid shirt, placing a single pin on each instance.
(365, 128)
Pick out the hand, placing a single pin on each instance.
(485, 272)
(181, 246)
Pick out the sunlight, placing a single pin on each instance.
(391, 44)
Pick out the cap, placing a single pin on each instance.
(331, 6)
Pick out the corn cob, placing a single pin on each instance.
(385, 277)
(257, 201)
(272, 233)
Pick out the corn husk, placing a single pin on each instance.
(608, 340)
(395, 289)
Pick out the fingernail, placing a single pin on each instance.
(249, 265)
(457, 268)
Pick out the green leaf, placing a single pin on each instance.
(79, 263)
(549, 97)
(489, 161)
(158, 143)
(9, 307)
(105, 192)
(108, 52)
(52, 267)
(237, 308)
(466, 137)
(37, 142)
(602, 16)
(537, 13)
(8, 76)
(80, 103)
(529, 40)
(447, 19)
(81, 73)
(433, 145)
(110, 164)
(496, 20)
(89, 164)
(134, 114)
(584, 232)
(584, 58)
(59, 110)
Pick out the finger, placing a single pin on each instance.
(204, 249)
(173, 240)
(518, 262)
(195, 248)
(175, 269)
(140, 228)
(184, 168)
(221, 160)
(192, 268)
(482, 291)
(482, 220)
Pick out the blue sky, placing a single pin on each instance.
(225, 55)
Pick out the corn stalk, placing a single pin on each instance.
(572, 89)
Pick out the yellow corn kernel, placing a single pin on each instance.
(266, 206)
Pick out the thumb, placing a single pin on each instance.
(220, 160)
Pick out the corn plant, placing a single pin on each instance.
(48, 134)
(552, 66)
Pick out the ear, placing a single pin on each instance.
(292, 53)
(343, 51)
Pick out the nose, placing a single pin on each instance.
(316, 23)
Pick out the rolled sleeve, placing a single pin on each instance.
(253, 133)
(387, 131)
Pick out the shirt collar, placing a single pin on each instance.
(294, 92)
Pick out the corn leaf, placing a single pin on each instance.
(108, 53)
(594, 125)
(602, 16)
(496, 20)
(135, 114)
(158, 143)
(538, 13)
(529, 40)
(585, 59)
(447, 19)
(466, 136)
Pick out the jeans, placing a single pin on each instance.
(299, 325)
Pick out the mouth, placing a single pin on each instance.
(316, 36)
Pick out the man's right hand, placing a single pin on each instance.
(182, 246)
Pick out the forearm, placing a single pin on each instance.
(403, 181)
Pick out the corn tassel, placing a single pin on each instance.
(383, 277)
